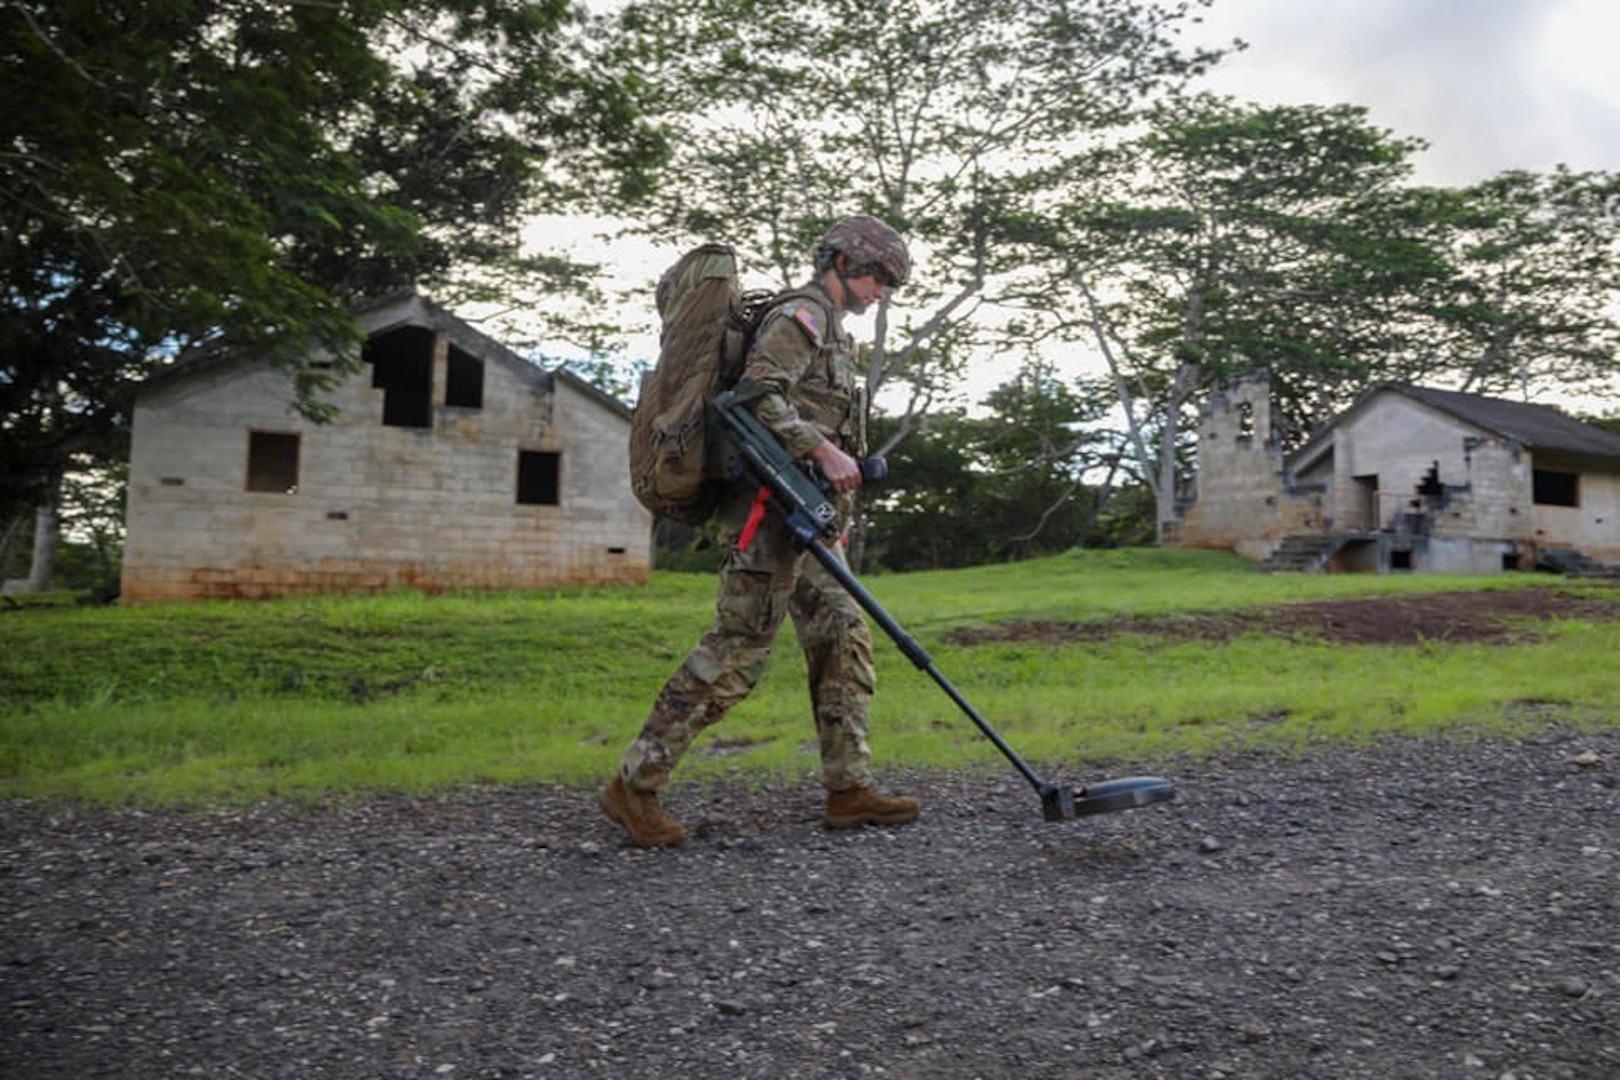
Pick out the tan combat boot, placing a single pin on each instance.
(639, 814)
(862, 806)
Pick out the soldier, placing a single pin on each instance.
(806, 387)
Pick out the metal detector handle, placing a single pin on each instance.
(790, 486)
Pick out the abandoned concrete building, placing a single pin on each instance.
(453, 464)
(1406, 479)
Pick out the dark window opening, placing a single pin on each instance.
(1556, 488)
(1400, 560)
(1431, 485)
(538, 478)
(464, 380)
(1246, 421)
(272, 463)
(402, 367)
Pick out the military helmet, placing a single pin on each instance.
(870, 245)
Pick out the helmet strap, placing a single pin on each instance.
(840, 268)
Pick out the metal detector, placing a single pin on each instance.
(812, 519)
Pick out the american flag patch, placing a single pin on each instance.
(808, 317)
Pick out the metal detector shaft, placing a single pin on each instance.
(915, 652)
(808, 512)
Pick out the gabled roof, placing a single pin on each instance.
(1535, 427)
(410, 307)
(406, 307)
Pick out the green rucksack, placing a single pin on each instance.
(677, 469)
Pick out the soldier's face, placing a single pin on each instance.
(864, 291)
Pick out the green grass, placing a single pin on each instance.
(222, 702)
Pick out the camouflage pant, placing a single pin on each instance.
(758, 587)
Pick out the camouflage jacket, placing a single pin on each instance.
(804, 363)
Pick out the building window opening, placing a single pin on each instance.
(538, 478)
(464, 380)
(1556, 488)
(402, 367)
(272, 463)
(1431, 486)
(1245, 413)
(1400, 560)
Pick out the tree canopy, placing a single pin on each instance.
(1531, 305)
(947, 118)
(182, 174)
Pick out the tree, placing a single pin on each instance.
(920, 517)
(1038, 442)
(219, 173)
(948, 118)
(1234, 238)
(1017, 482)
(1532, 302)
(92, 530)
(1286, 239)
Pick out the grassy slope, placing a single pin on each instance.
(193, 703)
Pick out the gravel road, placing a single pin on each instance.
(1441, 909)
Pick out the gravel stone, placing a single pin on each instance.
(1411, 909)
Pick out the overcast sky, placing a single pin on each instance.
(1489, 84)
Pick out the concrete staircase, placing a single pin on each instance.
(1301, 554)
(1572, 563)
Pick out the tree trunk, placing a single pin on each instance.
(1181, 390)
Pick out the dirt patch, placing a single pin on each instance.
(1493, 617)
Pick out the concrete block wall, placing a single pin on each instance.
(1242, 503)
(1448, 496)
(377, 507)
(1593, 527)
(1495, 496)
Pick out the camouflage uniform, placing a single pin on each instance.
(803, 363)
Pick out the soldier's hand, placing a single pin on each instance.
(843, 473)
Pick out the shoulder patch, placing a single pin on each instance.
(811, 319)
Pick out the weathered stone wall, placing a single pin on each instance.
(376, 506)
(1490, 498)
(1401, 442)
(1440, 494)
(1593, 527)
(1243, 504)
